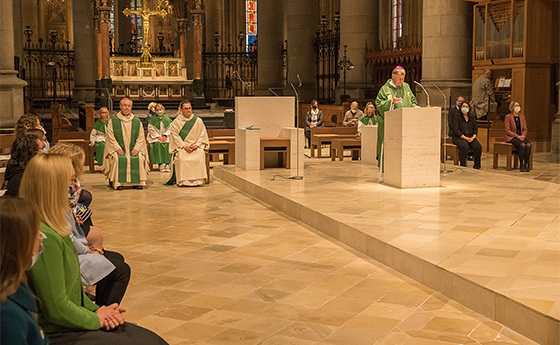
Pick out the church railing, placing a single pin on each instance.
(48, 69)
(229, 74)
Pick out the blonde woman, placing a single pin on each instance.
(19, 249)
(369, 117)
(65, 312)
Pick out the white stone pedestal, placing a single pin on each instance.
(247, 149)
(412, 147)
(369, 144)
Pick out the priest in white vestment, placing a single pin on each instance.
(126, 162)
(188, 141)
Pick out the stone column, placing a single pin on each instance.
(303, 23)
(11, 87)
(357, 26)
(198, 82)
(555, 137)
(447, 45)
(85, 53)
(446, 53)
(182, 24)
(270, 41)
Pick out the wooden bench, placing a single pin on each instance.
(219, 134)
(279, 145)
(339, 145)
(508, 150)
(324, 135)
(227, 148)
(451, 151)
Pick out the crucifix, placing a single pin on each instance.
(162, 9)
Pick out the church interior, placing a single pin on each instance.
(313, 242)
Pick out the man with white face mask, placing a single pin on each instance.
(453, 112)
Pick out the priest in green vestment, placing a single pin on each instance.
(158, 134)
(125, 150)
(97, 135)
(394, 94)
(188, 141)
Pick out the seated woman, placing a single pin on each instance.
(105, 269)
(516, 134)
(19, 249)
(66, 314)
(27, 122)
(313, 119)
(369, 117)
(465, 131)
(25, 147)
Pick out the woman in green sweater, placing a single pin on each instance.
(66, 314)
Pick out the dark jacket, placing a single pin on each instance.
(453, 112)
(319, 119)
(18, 324)
(462, 127)
(13, 177)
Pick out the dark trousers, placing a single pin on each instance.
(464, 146)
(523, 148)
(111, 289)
(125, 334)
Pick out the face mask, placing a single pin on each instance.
(465, 110)
(314, 107)
(47, 146)
(159, 113)
(517, 109)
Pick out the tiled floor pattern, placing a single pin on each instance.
(500, 229)
(211, 265)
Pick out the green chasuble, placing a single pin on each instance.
(183, 134)
(367, 119)
(159, 152)
(123, 159)
(383, 104)
(100, 145)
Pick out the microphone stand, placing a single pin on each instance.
(443, 133)
(297, 177)
(426, 92)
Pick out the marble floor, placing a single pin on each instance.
(212, 265)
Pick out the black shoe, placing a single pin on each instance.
(137, 187)
(119, 188)
(476, 167)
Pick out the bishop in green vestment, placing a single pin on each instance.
(188, 141)
(394, 94)
(125, 149)
(97, 135)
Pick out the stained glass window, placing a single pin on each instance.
(136, 22)
(251, 29)
(396, 22)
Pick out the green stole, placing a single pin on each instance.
(365, 120)
(100, 145)
(100, 125)
(183, 134)
(134, 160)
(155, 121)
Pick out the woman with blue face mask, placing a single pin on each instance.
(20, 249)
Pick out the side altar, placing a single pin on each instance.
(165, 79)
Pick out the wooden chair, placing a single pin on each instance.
(339, 145)
(508, 150)
(279, 145)
(449, 150)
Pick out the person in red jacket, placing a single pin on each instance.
(516, 133)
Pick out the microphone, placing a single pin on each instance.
(426, 92)
(444, 97)
(299, 79)
(241, 80)
(272, 91)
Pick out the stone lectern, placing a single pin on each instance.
(412, 147)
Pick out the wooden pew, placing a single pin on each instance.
(324, 135)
